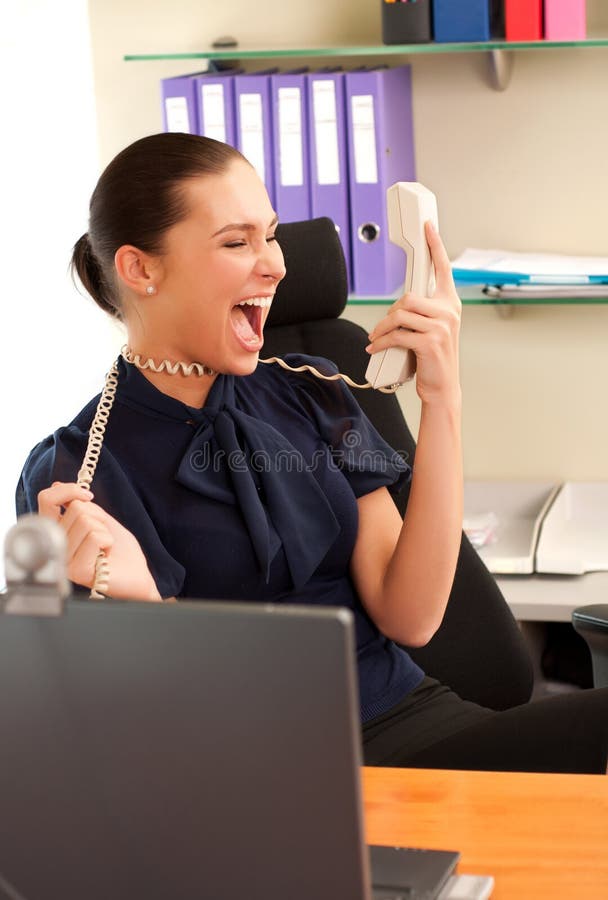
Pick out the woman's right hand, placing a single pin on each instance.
(89, 530)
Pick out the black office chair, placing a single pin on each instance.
(591, 622)
(478, 650)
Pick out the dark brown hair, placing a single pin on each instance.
(138, 197)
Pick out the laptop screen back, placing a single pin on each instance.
(183, 750)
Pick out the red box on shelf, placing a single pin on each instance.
(523, 20)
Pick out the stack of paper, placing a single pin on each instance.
(507, 274)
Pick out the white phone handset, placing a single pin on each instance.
(409, 206)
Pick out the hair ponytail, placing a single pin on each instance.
(139, 196)
(84, 264)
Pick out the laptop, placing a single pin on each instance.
(190, 750)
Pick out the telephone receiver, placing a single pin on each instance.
(409, 205)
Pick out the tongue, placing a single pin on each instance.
(242, 325)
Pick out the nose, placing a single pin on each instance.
(271, 264)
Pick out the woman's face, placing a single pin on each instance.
(218, 275)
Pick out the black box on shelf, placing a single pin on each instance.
(406, 22)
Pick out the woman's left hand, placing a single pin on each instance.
(429, 327)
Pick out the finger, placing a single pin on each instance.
(395, 338)
(424, 306)
(52, 499)
(81, 568)
(80, 531)
(442, 312)
(402, 302)
(432, 307)
(76, 508)
(440, 258)
(401, 318)
(390, 320)
(404, 338)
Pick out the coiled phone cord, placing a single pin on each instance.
(362, 387)
(84, 478)
(199, 369)
(97, 430)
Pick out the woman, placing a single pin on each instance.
(222, 476)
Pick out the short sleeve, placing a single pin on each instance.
(58, 458)
(357, 448)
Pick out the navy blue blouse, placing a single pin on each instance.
(252, 497)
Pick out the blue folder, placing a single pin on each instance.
(494, 276)
(466, 20)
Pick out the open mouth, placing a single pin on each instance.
(247, 318)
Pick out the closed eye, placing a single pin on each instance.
(269, 239)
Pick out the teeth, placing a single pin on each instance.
(256, 301)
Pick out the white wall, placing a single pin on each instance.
(55, 345)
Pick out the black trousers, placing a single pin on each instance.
(433, 728)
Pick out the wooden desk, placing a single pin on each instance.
(540, 836)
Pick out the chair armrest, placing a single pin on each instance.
(591, 622)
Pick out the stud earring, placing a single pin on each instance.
(150, 289)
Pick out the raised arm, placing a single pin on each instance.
(404, 571)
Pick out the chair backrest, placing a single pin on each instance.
(591, 622)
(479, 650)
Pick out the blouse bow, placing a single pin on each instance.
(239, 459)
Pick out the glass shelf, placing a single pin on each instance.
(472, 295)
(246, 51)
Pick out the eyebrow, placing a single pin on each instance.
(242, 226)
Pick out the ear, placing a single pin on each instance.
(137, 270)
